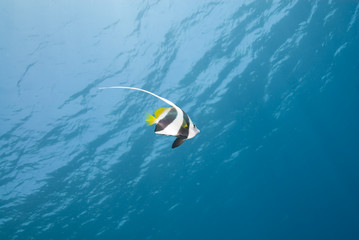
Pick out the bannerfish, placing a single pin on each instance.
(172, 121)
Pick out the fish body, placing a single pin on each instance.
(171, 121)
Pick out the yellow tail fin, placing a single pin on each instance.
(150, 119)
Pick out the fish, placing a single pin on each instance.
(172, 121)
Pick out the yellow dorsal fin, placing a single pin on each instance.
(159, 111)
(150, 119)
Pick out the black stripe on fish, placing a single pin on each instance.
(168, 119)
(183, 131)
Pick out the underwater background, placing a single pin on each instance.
(272, 85)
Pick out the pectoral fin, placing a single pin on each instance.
(178, 142)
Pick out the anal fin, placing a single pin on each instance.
(178, 141)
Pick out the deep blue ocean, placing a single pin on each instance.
(272, 85)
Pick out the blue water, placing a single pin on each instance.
(272, 85)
